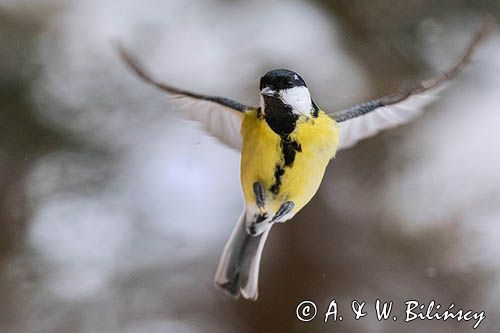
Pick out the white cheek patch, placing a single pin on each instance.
(298, 98)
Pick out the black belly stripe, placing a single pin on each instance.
(282, 120)
(289, 149)
(279, 171)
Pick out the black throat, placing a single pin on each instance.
(279, 116)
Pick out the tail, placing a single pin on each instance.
(238, 271)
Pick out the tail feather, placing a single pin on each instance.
(238, 271)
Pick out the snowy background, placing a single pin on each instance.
(114, 210)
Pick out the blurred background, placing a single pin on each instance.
(114, 210)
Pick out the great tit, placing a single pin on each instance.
(286, 143)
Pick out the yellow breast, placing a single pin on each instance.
(262, 159)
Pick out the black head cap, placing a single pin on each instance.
(279, 79)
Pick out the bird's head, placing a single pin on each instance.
(283, 90)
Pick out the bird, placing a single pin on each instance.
(286, 144)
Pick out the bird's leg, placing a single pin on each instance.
(285, 208)
(260, 201)
(258, 190)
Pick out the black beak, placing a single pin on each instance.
(269, 92)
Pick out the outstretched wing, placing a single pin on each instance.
(220, 116)
(367, 119)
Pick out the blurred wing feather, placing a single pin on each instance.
(220, 116)
(367, 119)
(385, 117)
